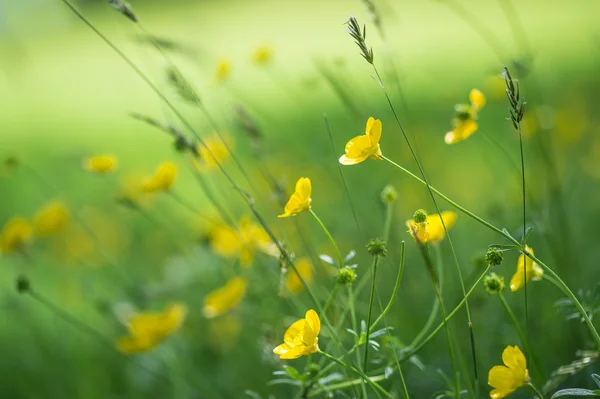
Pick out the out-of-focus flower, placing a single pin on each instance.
(51, 218)
(243, 242)
(162, 180)
(293, 284)
(16, 233)
(508, 378)
(302, 338)
(366, 146)
(533, 271)
(213, 153)
(100, 163)
(262, 55)
(432, 229)
(300, 200)
(466, 115)
(223, 70)
(225, 298)
(147, 330)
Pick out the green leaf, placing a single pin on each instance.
(293, 373)
(575, 392)
(596, 378)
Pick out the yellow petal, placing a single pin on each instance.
(15, 233)
(534, 271)
(345, 160)
(373, 130)
(477, 99)
(313, 327)
(461, 132)
(52, 218)
(513, 358)
(294, 335)
(289, 352)
(101, 163)
(225, 298)
(173, 317)
(502, 378)
(435, 228)
(300, 200)
(162, 180)
(293, 284)
(135, 344)
(304, 188)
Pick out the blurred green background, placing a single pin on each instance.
(67, 95)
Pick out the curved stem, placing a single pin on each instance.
(394, 292)
(537, 391)
(330, 237)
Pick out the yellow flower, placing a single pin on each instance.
(362, 147)
(300, 200)
(16, 233)
(162, 180)
(52, 218)
(223, 70)
(262, 55)
(213, 153)
(534, 271)
(292, 281)
(508, 378)
(302, 338)
(466, 115)
(101, 163)
(147, 330)
(225, 298)
(432, 230)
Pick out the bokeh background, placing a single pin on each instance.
(66, 95)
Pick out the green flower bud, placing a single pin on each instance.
(23, 285)
(420, 216)
(346, 275)
(493, 283)
(494, 257)
(389, 194)
(377, 247)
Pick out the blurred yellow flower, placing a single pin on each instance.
(223, 332)
(162, 180)
(50, 219)
(431, 230)
(147, 330)
(262, 55)
(302, 338)
(466, 115)
(300, 200)
(534, 271)
(100, 163)
(292, 281)
(366, 146)
(243, 242)
(16, 233)
(225, 298)
(508, 378)
(223, 70)
(213, 153)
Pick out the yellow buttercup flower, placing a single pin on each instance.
(225, 298)
(466, 115)
(213, 153)
(262, 55)
(100, 163)
(300, 200)
(51, 219)
(302, 338)
(432, 229)
(366, 146)
(147, 330)
(16, 233)
(223, 70)
(162, 180)
(508, 378)
(293, 284)
(534, 271)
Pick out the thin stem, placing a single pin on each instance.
(187, 205)
(331, 297)
(524, 225)
(537, 391)
(330, 237)
(351, 299)
(345, 384)
(394, 292)
(368, 332)
(366, 378)
(516, 26)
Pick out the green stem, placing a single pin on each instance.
(368, 332)
(330, 299)
(366, 378)
(524, 226)
(537, 391)
(394, 292)
(328, 234)
(345, 384)
(351, 299)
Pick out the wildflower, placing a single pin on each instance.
(493, 283)
(362, 147)
(100, 164)
(52, 218)
(302, 338)
(223, 70)
(293, 284)
(225, 298)
(148, 329)
(508, 378)
(300, 200)
(377, 247)
(389, 194)
(532, 270)
(162, 180)
(432, 229)
(346, 275)
(466, 115)
(211, 154)
(494, 257)
(16, 233)
(262, 55)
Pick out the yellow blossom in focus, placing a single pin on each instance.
(162, 180)
(534, 271)
(366, 146)
(466, 115)
(302, 338)
(262, 55)
(508, 378)
(431, 230)
(51, 219)
(16, 233)
(147, 330)
(213, 153)
(225, 298)
(300, 200)
(223, 70)
(293, 284)
(100, 163)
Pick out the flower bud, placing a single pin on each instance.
(389, 194)
(420, 216)
(346, 275)
(494, 257)
(377, 247)
(493, 283)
